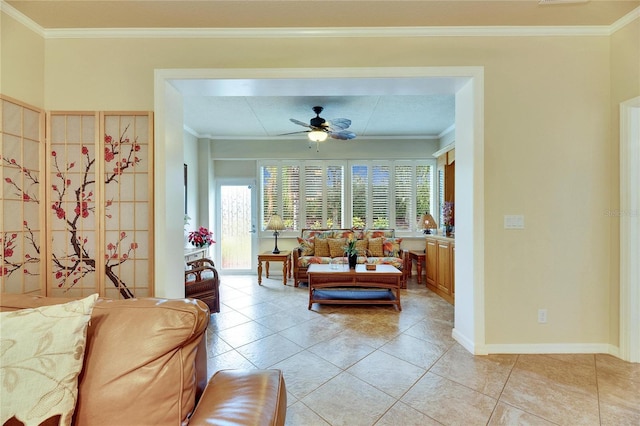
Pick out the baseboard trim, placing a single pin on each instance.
(466, 343)
(553, 348)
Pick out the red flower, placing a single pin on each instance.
(108, 155)
(108, 138)
(136, 148)
(60, 213)
(3, 271)
(8, 180)
(26, 197)
(8, 252)
(53, 153)
(85, 150)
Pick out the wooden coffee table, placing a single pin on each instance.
(337, 284)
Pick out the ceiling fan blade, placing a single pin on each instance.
(298, 122)
(343, 135)
(294, 133)
(339, 123)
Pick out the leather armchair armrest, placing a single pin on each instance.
(243, 397)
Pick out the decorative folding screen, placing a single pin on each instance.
(21, 219)
(100, 198)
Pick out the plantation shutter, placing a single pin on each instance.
(290, 197)
(423, 191)
(359, 195)
(334, 188)
(380, 196)
(405, 214)
(270, 193)
(313, 182)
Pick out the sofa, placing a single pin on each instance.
(138, 362)
(324, 246)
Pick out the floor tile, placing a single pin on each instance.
(299, 414)
(304, 372)
(485, 374)
(347, 400)
(449, 402)
(387, 373)
(416, 351)
(342, 350)
(506, 415)
(270, 350)
(557, 391)
(402, 414)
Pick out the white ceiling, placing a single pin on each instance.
(377, 107)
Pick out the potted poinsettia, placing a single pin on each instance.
(201, 238)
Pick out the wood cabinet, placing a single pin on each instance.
(440, 253)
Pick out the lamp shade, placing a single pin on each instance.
(275, 223)
(427, 222)
(317, 136)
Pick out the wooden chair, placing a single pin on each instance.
(201, 282)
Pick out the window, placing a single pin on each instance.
(339, 194)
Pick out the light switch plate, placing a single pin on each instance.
(513, 221)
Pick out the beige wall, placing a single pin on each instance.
(21, 62)
(548, 156)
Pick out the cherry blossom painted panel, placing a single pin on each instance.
(127, 177)
(73, 266)
(21, 219)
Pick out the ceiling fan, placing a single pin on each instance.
(320, 128)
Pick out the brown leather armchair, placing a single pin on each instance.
(145, 364)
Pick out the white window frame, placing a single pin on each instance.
(347, 208)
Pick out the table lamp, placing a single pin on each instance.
(427, 223)
(275, 224)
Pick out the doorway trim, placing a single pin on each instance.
(629, 215)
(469, 325)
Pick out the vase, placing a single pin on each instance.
(353, 259)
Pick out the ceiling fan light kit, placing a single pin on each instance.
(317, 136)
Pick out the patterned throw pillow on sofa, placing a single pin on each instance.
(322, 247)
(307, 245)
(375, 247)
(362, 247)
(336, 246)
(391, 247)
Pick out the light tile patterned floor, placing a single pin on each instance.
(372, 365)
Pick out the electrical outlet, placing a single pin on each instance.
(542, 316)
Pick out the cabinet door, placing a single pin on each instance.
(443, 274)
(453, 270)
(431, 261)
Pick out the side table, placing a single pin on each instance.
(284, 256)
(420, 258)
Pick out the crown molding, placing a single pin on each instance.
(320, 32)
(625, 20)
(22, 18)
(352, 32)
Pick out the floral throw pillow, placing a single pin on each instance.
(391, 247)
(307, 246)
(375, 247)
(41, 355)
